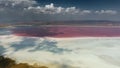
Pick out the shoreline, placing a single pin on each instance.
(57, 26)
(62, 37)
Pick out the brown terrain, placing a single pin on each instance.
(9, 63)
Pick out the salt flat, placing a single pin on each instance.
(85, 52)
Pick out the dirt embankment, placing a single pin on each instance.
(9, 63)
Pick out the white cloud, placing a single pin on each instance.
(51, 9)
(14, 5)
(72, 10)
(51, 6)
(112, 12)
(30, 10)
(15, 2)
(29, 5)
(86, 12)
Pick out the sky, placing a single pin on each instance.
(58, 10)
(85, 4)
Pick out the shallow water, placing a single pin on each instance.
(67, 31)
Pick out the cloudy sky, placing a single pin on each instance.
(57, 10)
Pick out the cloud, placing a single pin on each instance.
(72, 10)
(86, 12)
(29, 6)
(17, 2)
(30, 10)
(51, 9)
(111, 12)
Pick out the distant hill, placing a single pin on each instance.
(80, 22)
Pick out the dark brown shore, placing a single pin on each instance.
(9, 63)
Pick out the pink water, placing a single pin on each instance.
(68, 31)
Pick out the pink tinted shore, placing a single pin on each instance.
(71, 31)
